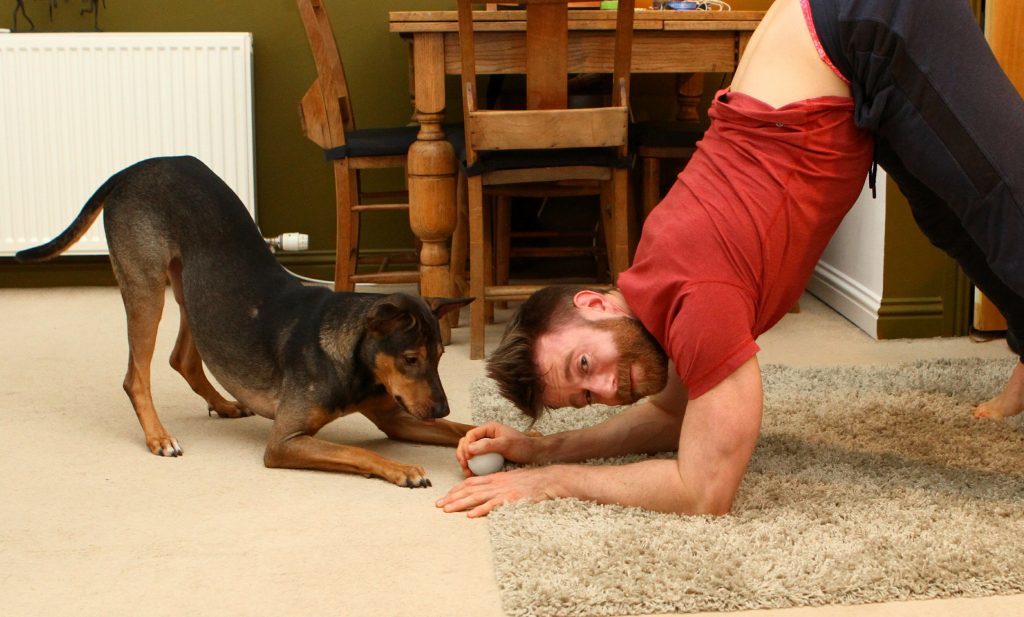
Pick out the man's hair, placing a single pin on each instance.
(513, 364)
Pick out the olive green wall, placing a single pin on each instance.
(294, 183)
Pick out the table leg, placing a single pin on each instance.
(689, 93)
(431, 170)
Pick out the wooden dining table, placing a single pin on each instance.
(664, 41)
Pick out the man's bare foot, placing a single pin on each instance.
(1009, 402)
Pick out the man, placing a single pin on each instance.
(824, 87)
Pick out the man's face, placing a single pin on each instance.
(610, 360)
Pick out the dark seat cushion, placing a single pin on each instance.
(388, 141)
(382, 142)
(664, 134)
(494, 160)
(375, 142)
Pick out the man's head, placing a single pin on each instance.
(571, 345)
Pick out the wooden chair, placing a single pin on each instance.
(546, 239)
(546, 142)
(657, 141)
(327, 120)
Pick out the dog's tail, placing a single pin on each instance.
(75, 230)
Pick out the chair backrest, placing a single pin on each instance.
(546, 122)
(326, 109)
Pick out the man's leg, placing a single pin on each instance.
(926, 82)
(943, 228)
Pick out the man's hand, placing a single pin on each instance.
(481, 494)
(513, 445)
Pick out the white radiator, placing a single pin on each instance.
(76, 108)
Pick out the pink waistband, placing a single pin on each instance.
(806, 6)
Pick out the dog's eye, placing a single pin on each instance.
(412, 360)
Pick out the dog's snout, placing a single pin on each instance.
(439, 410)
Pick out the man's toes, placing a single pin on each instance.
(996, 408)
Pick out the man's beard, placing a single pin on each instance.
(637, 347)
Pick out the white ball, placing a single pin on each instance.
(483, 464)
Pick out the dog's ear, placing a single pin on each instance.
(389, 315)
(442, 306)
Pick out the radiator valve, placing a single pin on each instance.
(288, 242)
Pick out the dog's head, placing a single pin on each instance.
(404, 346)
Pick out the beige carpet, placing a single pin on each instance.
(93, 525)
(868, 485)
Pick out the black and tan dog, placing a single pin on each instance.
(300, 355)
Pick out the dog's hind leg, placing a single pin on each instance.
(186, 359)
(143, 303)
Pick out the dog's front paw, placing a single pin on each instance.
(410, 476)
(164, 445)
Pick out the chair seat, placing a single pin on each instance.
(375, 142)
(389, 141)
(652, 134)
(495, 160)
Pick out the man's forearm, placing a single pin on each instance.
(717, 436)
(652, 485)
(643, 428)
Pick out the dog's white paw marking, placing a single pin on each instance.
(171, 448)
(421, 483)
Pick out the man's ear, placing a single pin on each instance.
(588, 298)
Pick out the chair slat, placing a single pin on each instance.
(386, 278)
(379, 207)
(330, 70)
(547, 47)
(316, 124)
(597, 127)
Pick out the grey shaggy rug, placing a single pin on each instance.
(867, 485)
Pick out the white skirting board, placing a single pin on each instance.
(847, 296)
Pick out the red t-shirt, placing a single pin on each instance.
(730, 249)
